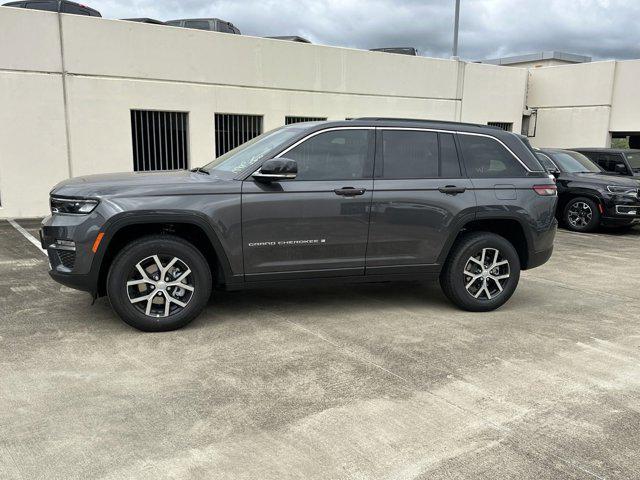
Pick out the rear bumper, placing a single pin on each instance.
(539, 258)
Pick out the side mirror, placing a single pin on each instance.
(276, 169)
(621, 168)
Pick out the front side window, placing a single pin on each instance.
(334, 155)
(609, 161)
(634, 161)
(409, 154)
(485, 157)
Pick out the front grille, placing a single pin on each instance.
(67, 258)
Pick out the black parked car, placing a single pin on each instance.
(614, 160)
(211, 24)
(144, 20)
(400, 50)
(588, 197)
(63, 6)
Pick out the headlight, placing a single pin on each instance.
(619, 190)
(71, 206)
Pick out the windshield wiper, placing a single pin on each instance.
(200, 170)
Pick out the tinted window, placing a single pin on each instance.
(574, 162)
(199, 24)
(546, 162)
(224, 27)
(608, 161)
(485, 157)
(47, 6)
(634, 160)
(409, 154)
(449, 164)
(334, 155)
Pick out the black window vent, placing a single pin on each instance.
(160, 140)
(502, 125)
(290, 120)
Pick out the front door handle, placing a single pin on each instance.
(452, 190)
(349, 191)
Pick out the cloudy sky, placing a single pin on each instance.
(602, 29)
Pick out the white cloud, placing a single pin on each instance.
(488, 28)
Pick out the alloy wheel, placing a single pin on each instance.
(579, 215)
(486, 274)
(160, 286)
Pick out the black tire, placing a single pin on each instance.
(123, 269)
(581, 215)
(454, 281)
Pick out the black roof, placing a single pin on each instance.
(606, 150)
(144, 20)
(399, 50)
(423, 122)
(291, 38)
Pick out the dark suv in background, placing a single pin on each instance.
(211, 24)
(366, 200)
(614, 160)
(63, 6)
(589, 197)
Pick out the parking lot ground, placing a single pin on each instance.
(360, 382)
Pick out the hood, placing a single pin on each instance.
(144, 184)
(603, 179)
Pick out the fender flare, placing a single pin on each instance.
(462, 222)
(138, 217)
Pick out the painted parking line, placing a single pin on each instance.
(27, 235)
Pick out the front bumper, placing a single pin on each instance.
(72, 266)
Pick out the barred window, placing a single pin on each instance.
(234, 130)
(159, 140)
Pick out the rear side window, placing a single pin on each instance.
(409, 154)
(47, 6)
(546, 162)
(334, 155)
(199, 24)
(485, 157)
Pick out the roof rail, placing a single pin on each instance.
(423, 120)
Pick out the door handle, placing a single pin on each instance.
(452, 190)
(349, 191)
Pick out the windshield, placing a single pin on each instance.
(574, 162)
(634, 161)
(236, 160)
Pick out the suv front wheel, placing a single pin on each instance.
(481, 273)
(159, 283)
(581, 215)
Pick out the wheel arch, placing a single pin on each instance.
(191, 226)
(508, 227)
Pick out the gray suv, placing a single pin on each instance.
(364, 200)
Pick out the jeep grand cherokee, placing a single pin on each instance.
(364, 200)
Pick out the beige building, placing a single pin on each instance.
(83, 95)
(540, 59)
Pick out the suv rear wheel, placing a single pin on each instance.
(159, 283)
(581, 215)
(481, 273)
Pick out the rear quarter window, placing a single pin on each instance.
(485, 157)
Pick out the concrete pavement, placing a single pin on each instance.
(384, 381)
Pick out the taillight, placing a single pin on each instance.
(546, 190)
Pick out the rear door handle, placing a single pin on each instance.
(452, 190)
(349, 191)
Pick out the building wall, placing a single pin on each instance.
(574, 104)
(113, 66)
